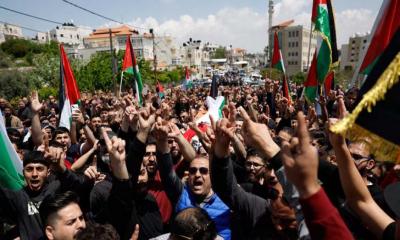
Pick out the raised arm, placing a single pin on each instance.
(172, 184)
(36, 106)
(185, 147)
(83, 159)
(357, 195)
(301, 165)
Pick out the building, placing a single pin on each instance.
(353, 51)
(99, 41)
(69, 34)
(42, 37)
(295, 45)
(9, 31)
(167, 52)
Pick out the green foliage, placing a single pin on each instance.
(343, 78)
(96, 74)
(219, 53)
(46, 71)
(19, 48)
(271, 73)
(13, 84)
(5, 61)
(299, 78)
(45, 92)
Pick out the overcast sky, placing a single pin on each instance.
(241, 23)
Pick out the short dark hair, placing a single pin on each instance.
(35, 157)
(194, 223)
(98, 232)
(55, 202)
(60, 130)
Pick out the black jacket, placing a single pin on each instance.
(22, 206)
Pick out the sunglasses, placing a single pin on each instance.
(202, 170)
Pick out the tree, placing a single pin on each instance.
(299, 78)
(14, 84)
(220, 52)
(271, 73)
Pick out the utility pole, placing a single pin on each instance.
(113, 63)
(154, 55)
(270, 15)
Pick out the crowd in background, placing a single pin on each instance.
(268, 168)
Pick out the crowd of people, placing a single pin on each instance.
(267, 168)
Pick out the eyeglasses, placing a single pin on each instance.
(358, 157)
(202, 170)
(248, 164)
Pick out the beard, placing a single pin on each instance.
(176, 156)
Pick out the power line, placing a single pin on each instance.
(29, 15)
(90, 11)
(100, 15)
(23, 27)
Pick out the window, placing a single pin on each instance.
(290, 34)
(290, 45)
(297, 54)
(354, 41)
(297, 44)
(297, 33)
(54, 35)
(61, 35)
(77, 36)
(290, 54)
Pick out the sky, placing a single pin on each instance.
(240, 23)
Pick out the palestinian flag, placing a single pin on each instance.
(11, 176)
(385, 26)
(277, 63)
(324, 25)
(130, 66)
(160, 90)
(187, 84)
(329, 83)
(311, 84)
(69, 92)
(376, 117)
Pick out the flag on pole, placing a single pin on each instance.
(11, 176)
(187, 84)
(323, 20)
(69, 92)
(130, 65)
(311, 84)
(385, 26)
(375, 119)
(160, 90)
(277, 63)
(329, 83)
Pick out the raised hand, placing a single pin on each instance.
(223, 135)
(56, 156)
(174, 131)
(77, 116)
(257, 135)
(36, 106)
(116, 149)
(301, 160)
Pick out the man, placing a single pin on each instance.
(10, 119)
(129, 202)
(61, 216)
(22, 206)
(197, 191)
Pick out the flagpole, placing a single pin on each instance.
(120, 83)
(309, 47)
